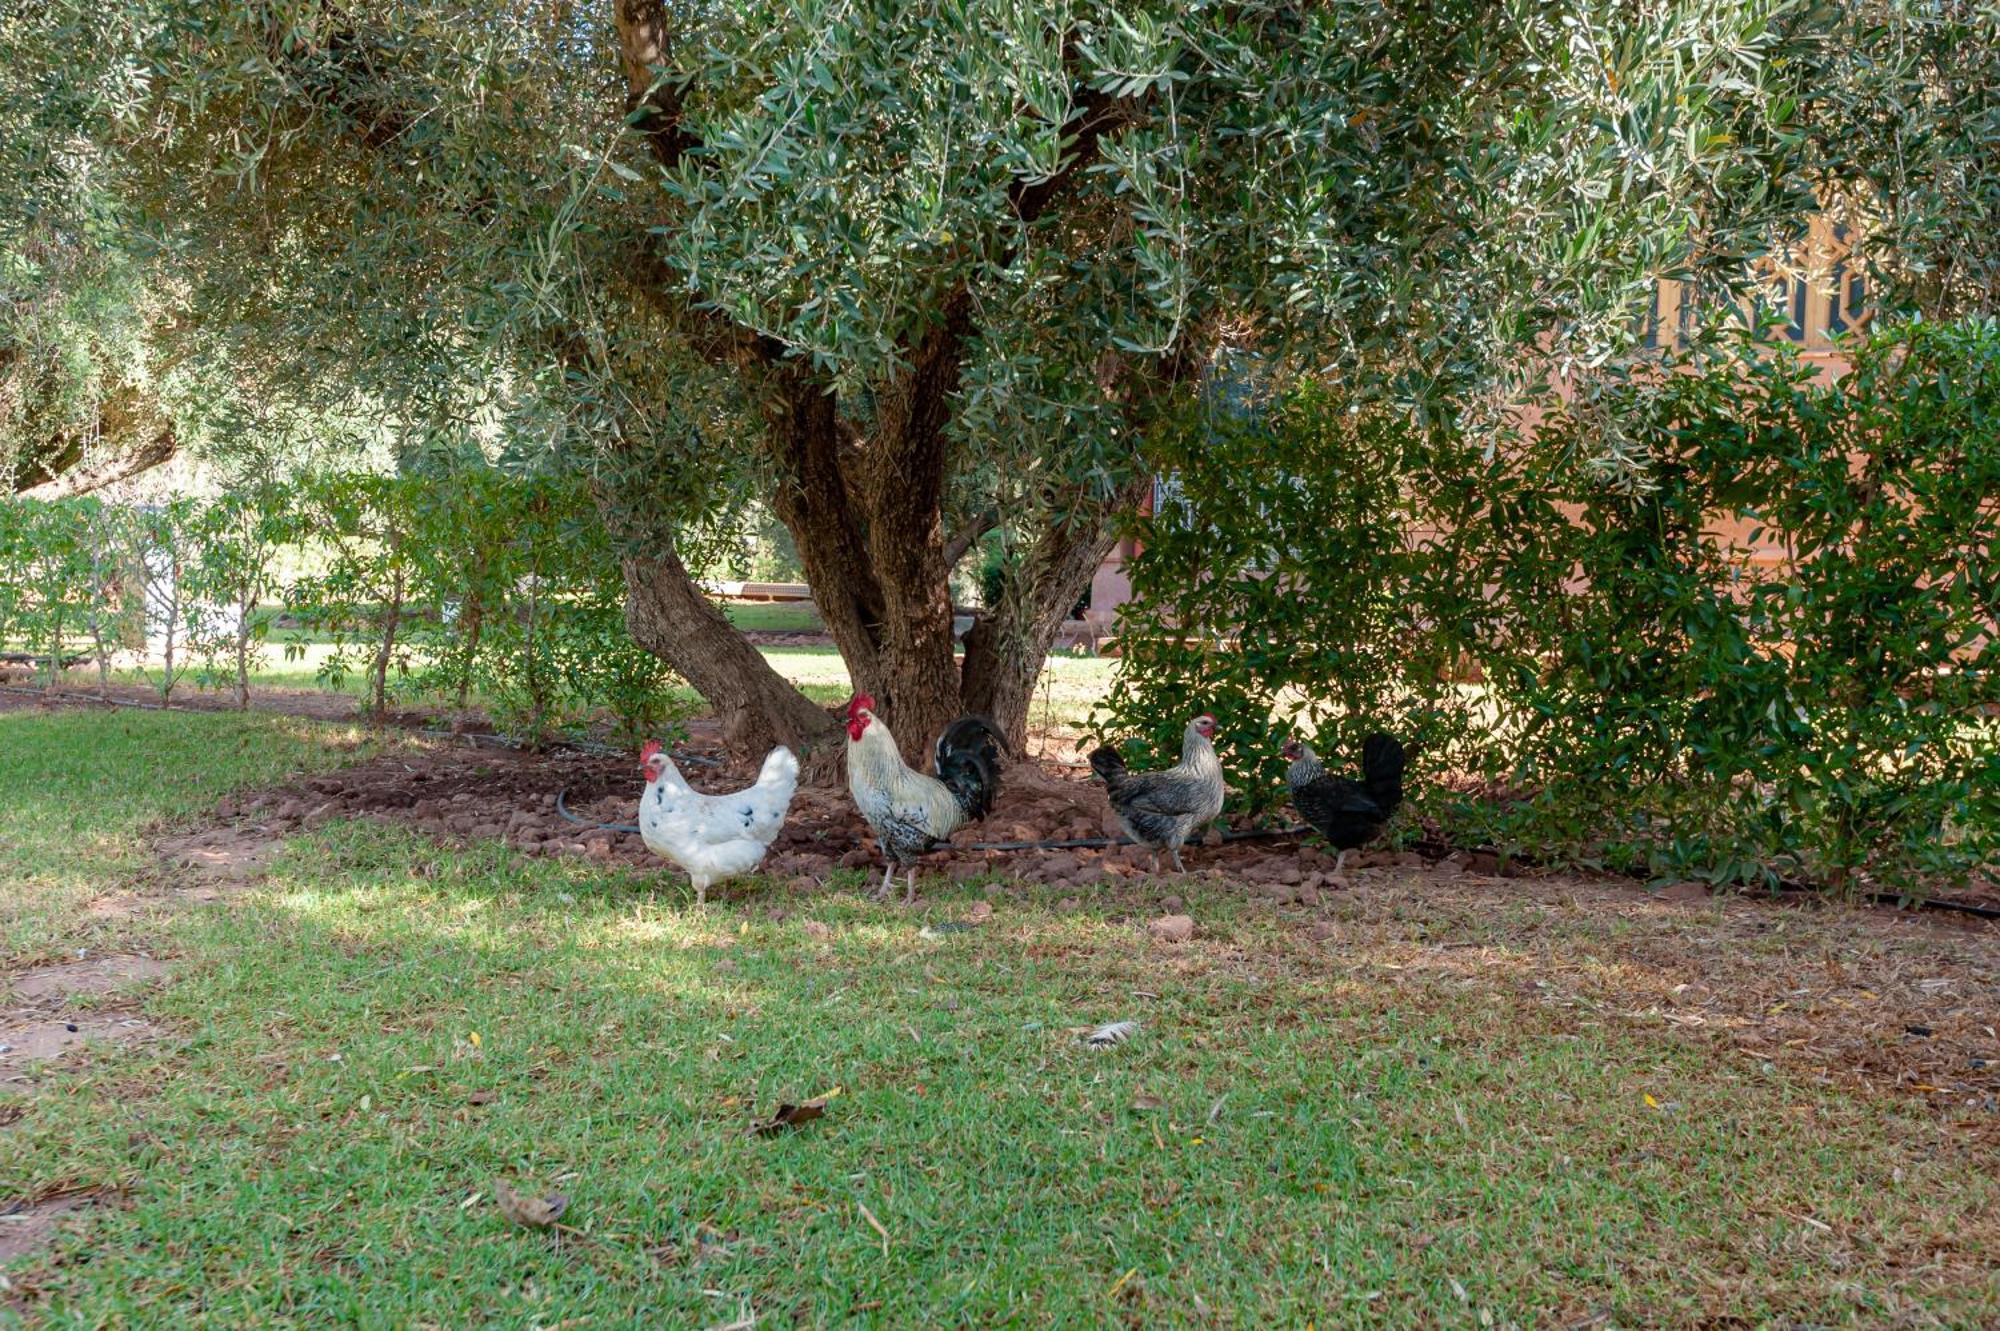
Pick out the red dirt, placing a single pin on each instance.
(461, 794)
(457, 794)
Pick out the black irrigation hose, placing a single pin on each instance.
(1103, 842)
(563, 809)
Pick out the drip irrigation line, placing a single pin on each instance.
(563, 809)
(1103, 843)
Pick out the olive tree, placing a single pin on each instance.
(923, 276)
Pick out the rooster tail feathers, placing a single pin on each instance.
(1108, 764)
(1382, 762)
(968, 763)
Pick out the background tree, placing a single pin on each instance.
(918, 274)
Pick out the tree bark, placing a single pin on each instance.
(670, 616)
(1009, 645)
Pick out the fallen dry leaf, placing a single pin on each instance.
(1148, 1103)
(792, 1116)
(981, 912)
(817, 929)
(534, 1212)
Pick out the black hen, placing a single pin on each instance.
(1347, 813)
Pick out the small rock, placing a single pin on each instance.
(981, 912)
(1322, 930)
(1060, 866)
(1483, 862)
(1173, 905)
(1305, 894)
(225, 807)
(858, 858)
(1172, 928)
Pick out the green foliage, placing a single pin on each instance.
(48, 595)
(436, 582)
(1775, 659)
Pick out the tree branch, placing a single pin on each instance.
(653, 100)
(975, 527)
(1098, 114)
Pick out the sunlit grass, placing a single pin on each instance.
(1390, 1133)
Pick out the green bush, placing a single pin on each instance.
(1601, 675)
(429, 583)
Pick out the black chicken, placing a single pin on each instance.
(1347, 813)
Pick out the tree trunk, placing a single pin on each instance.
(246, 605)
(379, 671)
(473, 616)
(1008, 646)
(55, 653)
(670, 616)
(98, 591)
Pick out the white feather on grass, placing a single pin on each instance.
(1116, 1032)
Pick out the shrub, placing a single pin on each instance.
(1604, 675)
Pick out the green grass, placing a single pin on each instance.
(1341, 1138)
(81, 789)
(773, 617)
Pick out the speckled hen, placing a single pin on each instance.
(713, 837)
(1161, 810)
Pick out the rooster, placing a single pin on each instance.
(1347, 813)
(910, 812)
(713, 837)
(1160, 810)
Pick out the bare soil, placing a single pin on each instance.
(29, 1226)
(93, 976)
(41, 1019)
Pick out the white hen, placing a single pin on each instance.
(713, 837)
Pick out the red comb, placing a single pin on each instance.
(647, 750)
(857, 703)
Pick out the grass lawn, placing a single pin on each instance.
(1398, 1127)
(773, 617)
